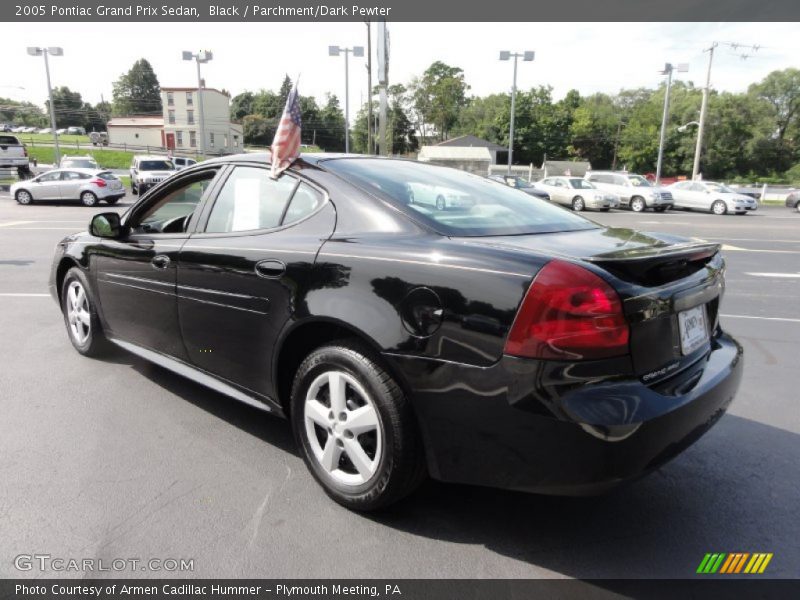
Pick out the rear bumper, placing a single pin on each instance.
(6, 163)
(563, 429)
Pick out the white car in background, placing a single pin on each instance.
(78, 162)
(711, 196)
(147, 171)
(577, 193)
(88, 186)
(442, 198)
(634, 191)
(181, 162)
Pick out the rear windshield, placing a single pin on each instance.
(454, 202)
(156, 165)
(8, 140)
(107, 175)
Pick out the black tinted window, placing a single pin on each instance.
(156, 165)
(454, 202)
(8, 140)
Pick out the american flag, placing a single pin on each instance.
(286, 145)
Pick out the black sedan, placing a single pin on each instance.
(503, 342)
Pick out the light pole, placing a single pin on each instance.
(52, 51)
(703, 107)
(668, 70)
(358, 52)
(203, 56)
(526, 56)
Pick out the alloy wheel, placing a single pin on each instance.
(88, 199)
(637, 205)
(343, 428)
(577, 204)
(719, 207)
(24, 197)
(78, 316)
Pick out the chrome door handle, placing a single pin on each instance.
(270, 268)
(160, 261)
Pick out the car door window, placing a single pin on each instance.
(304, 201)
(72, 176)
(49, 177)
(250, 200)
(170, 212)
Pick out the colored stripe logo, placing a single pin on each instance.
(734, 562)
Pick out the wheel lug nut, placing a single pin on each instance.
(348, 434)
(342, 416)
(330, 416)
(340, 443)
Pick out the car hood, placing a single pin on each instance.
(736, 196)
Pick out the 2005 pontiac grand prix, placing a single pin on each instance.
(502, 341)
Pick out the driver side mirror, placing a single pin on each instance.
(106, 225)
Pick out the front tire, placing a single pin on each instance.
(638, 204)
(719, 207)
(80, 315)
(355, 428)
(578, 204)
(23, 197)
(88, 199)
(660, 208)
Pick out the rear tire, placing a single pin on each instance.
(719, 207)
(387, 460)
(660, 208)
(134, 189)
(80, 315)
(112, 201)
(88, 199)
(638, 204)
(578, 204)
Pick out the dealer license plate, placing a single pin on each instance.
(693, 329)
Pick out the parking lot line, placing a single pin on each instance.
(11, 223)
(782, 319)
(782, 275)
(19, 295)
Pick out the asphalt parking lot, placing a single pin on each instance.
(121, 459)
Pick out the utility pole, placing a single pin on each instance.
(358, 52)
(526, 56)
(383, 82)
(668, 70)
(703, 108)
(52, 51)
(370, 149)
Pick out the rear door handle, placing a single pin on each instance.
(160, 261)
(270, 268)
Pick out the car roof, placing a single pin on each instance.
(78, 158)
(77, 170)
(150, 157)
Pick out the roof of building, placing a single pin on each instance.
(136, 121)
(194, 89)
(564, 167)
(471, 141)
(454, 153)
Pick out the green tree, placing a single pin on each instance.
(329, 126)
(438, 97)
(137, 91)
(69, 107)
(242, 105)
(286, 87)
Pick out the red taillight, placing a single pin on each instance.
(99, 182)
(568, 313)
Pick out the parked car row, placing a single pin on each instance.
(89, 186)
(604, 190)
(6, 128)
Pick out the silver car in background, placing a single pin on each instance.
(634, 191)
(88, 186)
(711, 196)
(577, 193)
(78, 162)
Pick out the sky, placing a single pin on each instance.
(589, 57)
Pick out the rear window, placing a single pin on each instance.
(454, 202)
(8, 140)
(79, 163)
(107, 175)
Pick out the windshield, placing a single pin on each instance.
(79, 163)
(580, 184)
(638, 181)
(719, 188)
(454, 202)
(156, 165)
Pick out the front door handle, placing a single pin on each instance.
(160, 261)
(270, 268)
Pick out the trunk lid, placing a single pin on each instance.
(666, 282)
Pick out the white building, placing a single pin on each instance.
(178, 130)
(182, 121)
